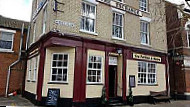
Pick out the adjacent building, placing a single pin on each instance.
(13, 34)
(80, 46)
(178, 21)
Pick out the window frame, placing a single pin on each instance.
(13, 34)
(101, 75)
(147, 73)
(147, 5)
(148, 32)
(44, 21)
(122, 27)
(188, 38)
(29, 70)
(81, 16)
(50, 81)
(35, 69)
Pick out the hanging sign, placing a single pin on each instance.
(122, 6)
(146, 57)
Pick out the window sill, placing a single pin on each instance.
(145, 11)
(147, 84)
(121, 39)
(147, 45)
(8, 51)
(57, 83)
(94, 84)
(92, 33)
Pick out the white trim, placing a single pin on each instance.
(59, 67)
(147, 73)
(116, 38)
(147, 19)
(187, 33)
(7, 30)
(8, 50)
(92, 33)
(91, 1)
(117, 10)
(95, 83)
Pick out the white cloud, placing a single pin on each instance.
(16, 9)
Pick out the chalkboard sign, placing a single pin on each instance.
(52, 97)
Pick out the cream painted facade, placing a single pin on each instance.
(66, 89)
(103, 22)
(144, 90)
(95, 90)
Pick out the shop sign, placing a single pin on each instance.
(122, 6)
(112, 60)
(40, 6)
(146, 57)
(63, 23)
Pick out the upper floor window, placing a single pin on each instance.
(188, 38)
(88, 17)
(6, 40)
(34, 33)
(94, 74)
(44, 20)
(146, 73)
(117, 28)
(144, 32)
(143, 5)
(59, 70)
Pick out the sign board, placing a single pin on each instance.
(147, 57)
(122, 6)
(63, 23)
(52, 97)
(112, 60)
(131, 80)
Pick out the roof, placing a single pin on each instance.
(12, 23)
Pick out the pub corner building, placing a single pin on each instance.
(80, 46)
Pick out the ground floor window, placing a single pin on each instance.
(94, 74)
(146, 73)
(59, 69)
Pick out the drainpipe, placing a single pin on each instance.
(14, 63)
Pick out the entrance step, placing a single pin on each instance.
(115, 102)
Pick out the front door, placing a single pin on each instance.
(112, 80)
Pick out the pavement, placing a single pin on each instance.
(177, 103)
(15, 101)
(20, 101)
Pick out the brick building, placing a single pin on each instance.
(80, 46)
(10, 46)
(178, 21)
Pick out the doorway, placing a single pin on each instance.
(112, 80)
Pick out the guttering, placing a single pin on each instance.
(14, 63)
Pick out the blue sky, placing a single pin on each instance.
(21, 9)
(16, 9)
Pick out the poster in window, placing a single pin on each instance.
(131, 80)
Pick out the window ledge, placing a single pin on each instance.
(57, 82)
(145, 11)
(94, 84)
(9, 51)
(147, 84)
(147, 45)
(92, 33)
(115, 38)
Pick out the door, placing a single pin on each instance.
(112, 80)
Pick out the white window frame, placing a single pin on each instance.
(84, 30)
(147, 73)
(145, 9)
(60, 67)
(122, 27)
(44, 22)
(148, 32)
(35, 68)
(101, 80)
(34, 33)
(29, 70)
(8, 31)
